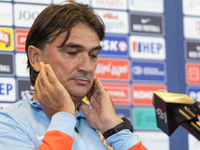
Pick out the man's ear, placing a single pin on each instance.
(35, 57)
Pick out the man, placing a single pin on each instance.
(62, 48)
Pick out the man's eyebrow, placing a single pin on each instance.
(74, 45)
(97, 47)
(71, 45)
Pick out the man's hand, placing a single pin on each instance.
(102, 116)
(51, 94)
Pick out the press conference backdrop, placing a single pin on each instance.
(149, 45)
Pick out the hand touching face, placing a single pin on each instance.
(72, 67)
(102, 116)
(74, 63)
(51, 94)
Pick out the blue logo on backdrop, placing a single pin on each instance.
(194, 93)
(147, 47)
(116, 46)
(5, 89)
(123, 113)
(147, 71)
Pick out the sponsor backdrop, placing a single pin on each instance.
(149, 45)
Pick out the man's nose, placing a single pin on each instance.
(85, 64)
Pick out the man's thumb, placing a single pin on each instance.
(84, 108)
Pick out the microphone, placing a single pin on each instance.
(173, 109)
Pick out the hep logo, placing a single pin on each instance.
(147, 47)
(5, 88)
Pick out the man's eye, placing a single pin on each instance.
(72, 53)
(93, 56)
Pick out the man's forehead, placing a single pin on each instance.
(79, 34)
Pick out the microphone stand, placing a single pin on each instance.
(187, 117)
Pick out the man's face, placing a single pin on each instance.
(74, 64)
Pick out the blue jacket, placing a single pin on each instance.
(24, 124)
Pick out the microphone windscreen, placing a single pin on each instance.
(153, 99)
(165, 103)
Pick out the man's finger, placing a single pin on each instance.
(51, 75)
(85, 109)
(98, 86)
(38, 86)
(43, 76)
